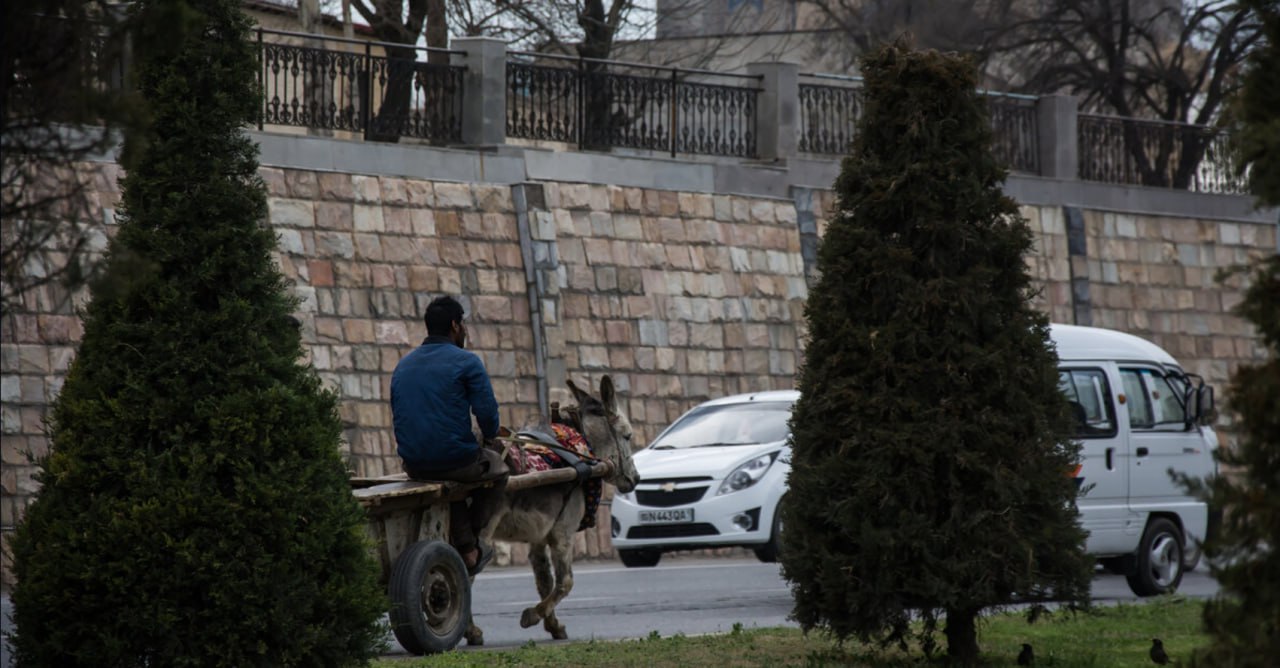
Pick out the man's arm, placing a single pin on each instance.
(480, 393)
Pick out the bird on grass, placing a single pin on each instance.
(1158, 655)
(1026, 657)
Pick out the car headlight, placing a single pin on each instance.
(748, 474)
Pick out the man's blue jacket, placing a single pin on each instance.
(434, 390)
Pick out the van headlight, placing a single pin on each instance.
(748, 474)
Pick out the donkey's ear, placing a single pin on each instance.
(578, 394)
(607, 395)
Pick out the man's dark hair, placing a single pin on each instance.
(441, 313)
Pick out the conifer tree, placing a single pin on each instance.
(1244, 621)
(194, 508)
(930, 469)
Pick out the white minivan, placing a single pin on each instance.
(1139, 416)
(1138, 413)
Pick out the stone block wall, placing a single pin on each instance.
(1157, 277)
(680, 295)
(367, 254)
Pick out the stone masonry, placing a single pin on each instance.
(680, 295)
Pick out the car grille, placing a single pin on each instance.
(673, 531)
(657, 498)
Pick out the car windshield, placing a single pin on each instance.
(729, 424)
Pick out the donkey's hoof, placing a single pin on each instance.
(474, 636)
(529, 617)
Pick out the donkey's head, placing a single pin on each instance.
(608, 431)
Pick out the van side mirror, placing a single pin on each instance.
(1204, 404)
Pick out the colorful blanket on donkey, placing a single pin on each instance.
(534, 457)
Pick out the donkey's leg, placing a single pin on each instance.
(562, 559)
(474, 634)
(541, 565)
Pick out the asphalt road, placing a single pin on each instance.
(681, 595)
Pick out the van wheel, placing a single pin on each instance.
(640, 558)
(1158, 563)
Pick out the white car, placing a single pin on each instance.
(714, 478)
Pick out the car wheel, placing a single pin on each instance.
(640, 558)
(1158, 563)
(768, 553)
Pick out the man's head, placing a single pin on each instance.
(444, 318)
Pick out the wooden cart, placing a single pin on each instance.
(426, 579)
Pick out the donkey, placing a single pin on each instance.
(547, 517)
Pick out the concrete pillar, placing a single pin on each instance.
(484, 97)
(778, 112)
(1057, 118)
(807, 223)
(540, 253)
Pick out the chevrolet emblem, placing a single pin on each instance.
(669, 487)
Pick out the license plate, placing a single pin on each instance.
(673, 516)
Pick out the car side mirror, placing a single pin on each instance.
(1204, 404)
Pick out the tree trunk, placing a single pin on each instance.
(395, 83)
(317, 91)
(597, 118)
(437, 32)
(962, 636)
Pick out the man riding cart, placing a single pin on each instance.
(435, 389)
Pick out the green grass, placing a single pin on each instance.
(1109, 636)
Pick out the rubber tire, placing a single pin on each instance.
(436, 624)
(640, 558)
(768, 553)
(1161, 535)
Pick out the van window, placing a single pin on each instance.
(1154, 402)
(1090, 396)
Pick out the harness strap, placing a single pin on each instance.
(582, 467)
(573, 459)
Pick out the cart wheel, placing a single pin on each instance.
(430, 597)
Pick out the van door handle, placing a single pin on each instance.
(1143, 452)
(1111, 465)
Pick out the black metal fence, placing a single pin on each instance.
(1157, 153)
(605, 104)
(385, 91)
(1016, 131)
(830, 112)
(380, 90)
(77, 66)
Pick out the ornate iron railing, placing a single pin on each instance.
(604, 104)
(384, 91)
(1016, 133)
(1156, 153)
(828, 115)
(73, 79)
(542, 101)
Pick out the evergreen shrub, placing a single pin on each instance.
(931, 469)
(194, 508)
